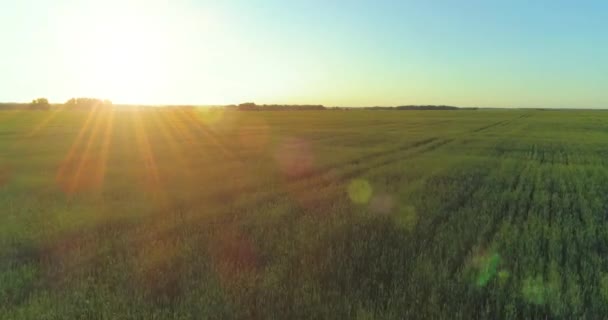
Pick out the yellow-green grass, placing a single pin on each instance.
(183, 213)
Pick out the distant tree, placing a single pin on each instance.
(430, 107)
(85, 103)
(247, 106)
(40, 104)
(13, 106)
(250, 106)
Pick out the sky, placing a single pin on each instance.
(336, 53)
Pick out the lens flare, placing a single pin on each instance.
(407, 217)
(534, 290)
(382, 204)
(295, 157)
(214, 118)
(360, 191)
(487, 269)
(233, 254)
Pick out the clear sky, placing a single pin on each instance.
(468, 53)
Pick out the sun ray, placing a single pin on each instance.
(105, 149)
(191, 120)
(161, 122)
(187, 138)
(85, 157)
(45, 122)
(62, 172)
(148, 159)
(180, 129)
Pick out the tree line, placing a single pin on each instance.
(44, 104)
(250, 106)
(84, 103)
(420, 107)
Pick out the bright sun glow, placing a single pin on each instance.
(121, 54)
(155, 52)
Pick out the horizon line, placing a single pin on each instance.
(326, 106)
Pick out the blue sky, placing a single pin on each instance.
(466, 53)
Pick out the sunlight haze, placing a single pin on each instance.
(355, 53)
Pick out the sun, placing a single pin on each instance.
(160, 52)
(130, 62)
(123, 55)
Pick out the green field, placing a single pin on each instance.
(193, 214)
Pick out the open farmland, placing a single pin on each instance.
(191, 214)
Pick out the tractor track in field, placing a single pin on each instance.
(332, 174)
(488, 235)
(317, 180)
(501, 123)
(387, 157)
(323, 177)
(327, 176)
(486, 127)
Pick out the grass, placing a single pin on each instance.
(190, 214)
